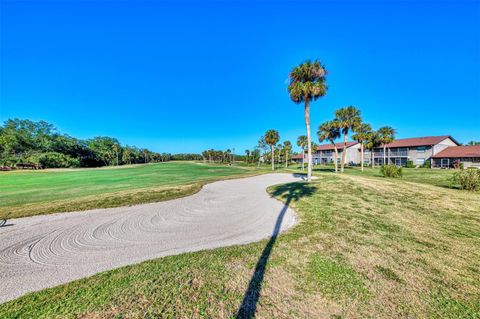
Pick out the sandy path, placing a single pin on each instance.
(45, 251)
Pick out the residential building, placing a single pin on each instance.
(325, 153)
(453, 156)
(417, 149)
(296, 158)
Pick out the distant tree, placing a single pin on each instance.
(386, 134)
(330, 131)
(302, 142)
(255, 154)
(348, 118)
(287, 146)
(262, 148)
(247, 156)
(205, 155)
(473, 143)
(145, 154)
(279, 150)
(271, 138)
(102, 146)
(116, 150)
(127, 155)
(362, 132)
(307, 83)
(39, 142)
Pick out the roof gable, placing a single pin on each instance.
(328, 147)
(459, 152)
(419, 141)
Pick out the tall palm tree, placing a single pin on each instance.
(287, 146)
(330, 131)
(386, 134)
(348, 118)
(271, 138)
(361, 136)
(302, 142)
(371, 143)
(307, 83)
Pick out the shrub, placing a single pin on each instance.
(54, 160)
(426, 164)
(410, 164)
(457, 164)
(391, 171)
(468, 179)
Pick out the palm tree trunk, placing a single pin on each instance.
(344, 153)
(273, 158)
(373, 158)
(361, 155)
(309, 141)
(336, 157)
(303, 159)
(384, 155)
(286, 159)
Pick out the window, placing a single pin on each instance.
(445, 162)
(420, 161)
(421, 149)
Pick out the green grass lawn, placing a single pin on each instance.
(26, 193)
(365, 247)
(438, 177)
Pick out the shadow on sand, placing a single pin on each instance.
(288, 192)
(3, 221)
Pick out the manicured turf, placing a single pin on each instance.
(25, 193)
(366, 247)
(438, 177)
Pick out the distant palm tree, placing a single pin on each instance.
(386, 134)
(287, 146)
(227, 156)
(247, 153)
(330, 131)
(307, 83)
(271, 138)
(262, 149)
(348, 118)
(127, 155)
(279, 150)
(116, 149)
(362, 131)
(302, 142)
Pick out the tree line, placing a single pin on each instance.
(40, 143)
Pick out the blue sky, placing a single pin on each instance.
(186, 76)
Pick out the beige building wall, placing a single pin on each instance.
(443, 145)
(353, 154)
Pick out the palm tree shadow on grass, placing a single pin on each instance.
(289, 192)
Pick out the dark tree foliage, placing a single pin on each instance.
(218, 156)
(25, 141)
(186, 157)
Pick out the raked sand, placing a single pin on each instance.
(44, 251)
